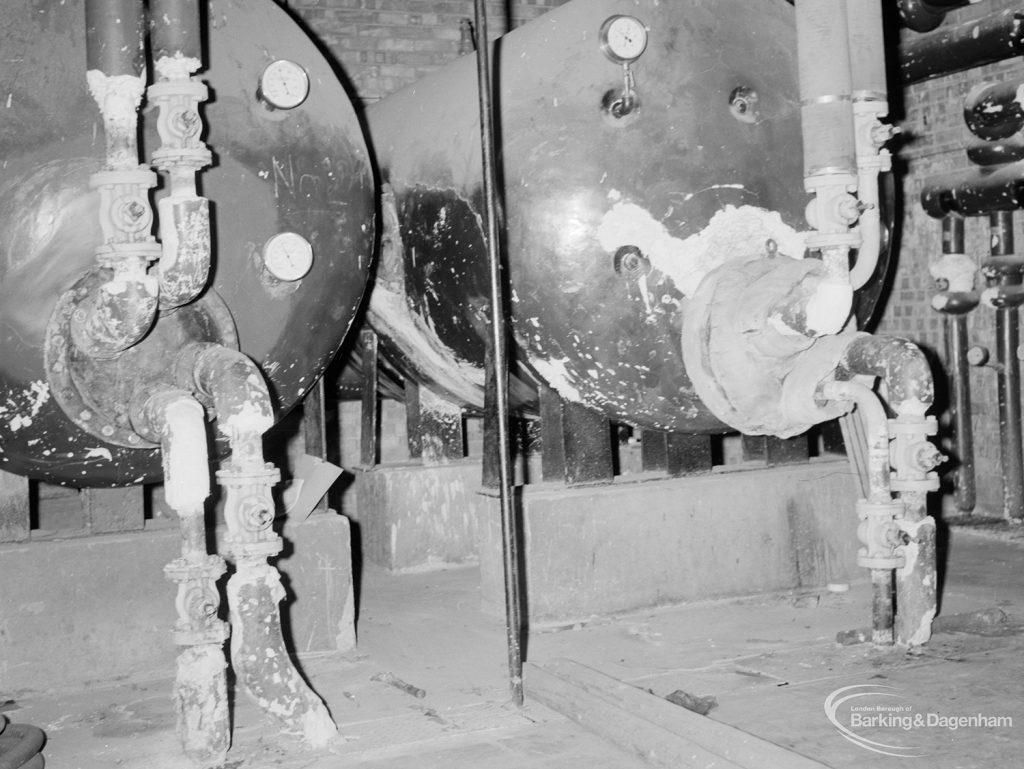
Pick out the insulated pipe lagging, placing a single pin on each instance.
(823, 56)
(178, 421)
(867, 50)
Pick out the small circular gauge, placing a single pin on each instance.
(284, 84)
(623, 38)
(288, 256)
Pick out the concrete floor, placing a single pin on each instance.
(770, 661)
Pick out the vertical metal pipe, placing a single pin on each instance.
(175, 29)
(955, 326)
(1008, 340)
(113, 37)
(956, 340)
(510, 544)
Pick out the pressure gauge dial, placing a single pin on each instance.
(288, 256)
(284, 84)
(623, 38)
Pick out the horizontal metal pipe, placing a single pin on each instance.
(922, 16)
(975, 191)
(991, 38)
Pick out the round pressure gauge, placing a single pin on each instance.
(288, 256)
(284, 84)
(623, 38)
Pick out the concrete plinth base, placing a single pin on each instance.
(411, 516)
(604, 549)
(96, 608)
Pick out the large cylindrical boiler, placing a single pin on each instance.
(628, 174)
(290, 181)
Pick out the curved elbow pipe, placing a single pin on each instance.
(993, 111)
(178, 421)
(185, 264)
(236, 386)
(116, 316)
(923, 16)
(898, 363)
(870, 226)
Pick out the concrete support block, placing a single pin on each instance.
(99, 608)
(626, 546)
(411, 516)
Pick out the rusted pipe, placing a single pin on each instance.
(259, 655)
(119, 313)
(184, 215)
(878, 531)
(970, 44)
(178, 421)
(116, 64)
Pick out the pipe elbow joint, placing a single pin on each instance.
(233, 383)
(116, 316)
(900, 364)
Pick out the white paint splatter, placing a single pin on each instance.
(734, 232)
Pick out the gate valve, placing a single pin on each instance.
(925, 456)
(880, 534)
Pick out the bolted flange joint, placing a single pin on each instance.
(913, 455)
(880, 534)
(198, 600)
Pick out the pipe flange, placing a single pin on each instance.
(904, 485)
(928, 425)
(268, 475)
(96, 394)
(259, 550)
(215, 634)
(182, 570)
(895, 561)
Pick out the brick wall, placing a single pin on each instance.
(937, 137)
(383, 45)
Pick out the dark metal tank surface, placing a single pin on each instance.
(610, 221)
(304, 170)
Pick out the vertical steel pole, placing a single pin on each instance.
(509, 531)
